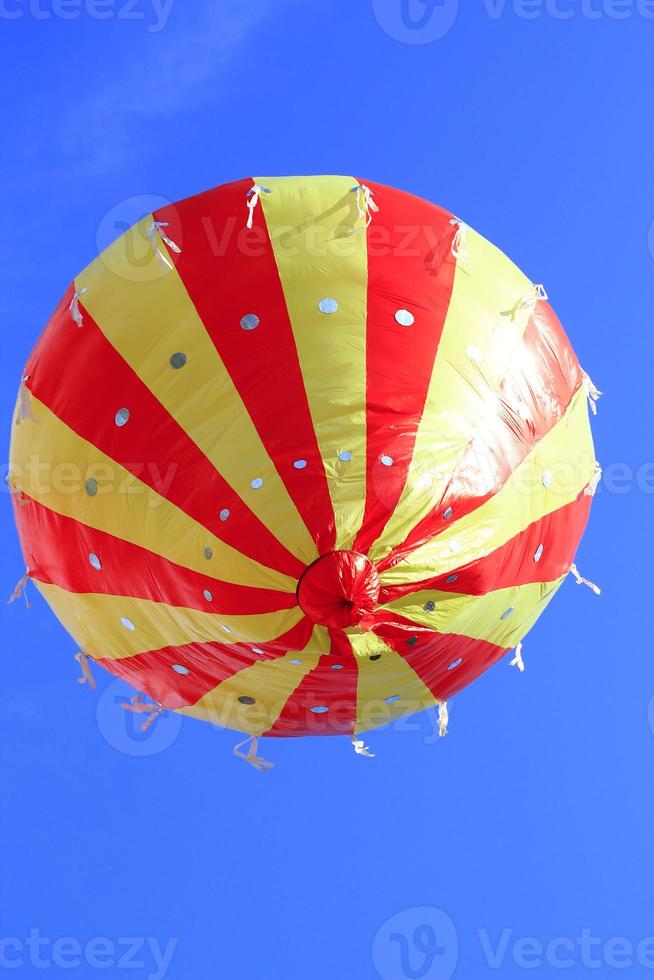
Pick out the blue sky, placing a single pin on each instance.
(524, 840)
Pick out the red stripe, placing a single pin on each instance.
(230, 271)
(80, 376)
(209, 664)
(540, 382)
(324, 686)
(431, 655)
(126, 569)
(513, 563)
(410, 267)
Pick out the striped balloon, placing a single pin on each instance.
(301, 455)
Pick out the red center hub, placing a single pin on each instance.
(339, 589)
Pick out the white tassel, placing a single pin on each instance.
(362, 749)
(365, 203)
(517, 660)
(443, 719)
(21, 589)
(593, 393)
(594, 483)
(460, 241)
(24, 413)
(528, 301)
(580, 580)
(154, 233)
(253, 196)
(75, 312)
(251, 757)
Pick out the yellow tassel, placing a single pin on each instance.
(87, 677)
(256, 761)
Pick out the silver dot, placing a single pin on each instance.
(228, 629)
(258, 651)
(178, 360)
(345, 456)
(300, 464)
(386, 460)
(447, 513)
(539, 553)
(451, 578)
(505, 615)
(547, 478)
(208, 595)
(208, 553)
(94, 561)
(393, 697)
(127, 623)
(91, 487)
(122, 417)
(429, 606)
(224, 514)
(250, 321)
(328, 305)
(180, 669)
(257, 483)
(319, 709)
(454, 664)
(337, 666)
(404, 318)
(245, 699)
(295, 661)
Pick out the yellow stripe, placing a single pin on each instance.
(566, 451)
(321, 254)
(148, 316)
(388, 677)
(51, 463)
(271, 683)
(95, 623)
(480, 616)
(462, 387)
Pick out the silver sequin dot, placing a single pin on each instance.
(258, 651)
(295, 662)
(429, 606)
(94, 561)
(538, 553)
(228, 629)
(250, 321)
(386, 460)
(345, 456)
(319, 709)
(91, 487)
(180, 669)
(208, 553)
(447, 513)
(454, 664)
(300, 464)
(337, 666)
(122, 417)
(245, 699)
(257, 483)
(127, 623)
(393, 697)
(547, 478)
(451, 578)
(224, 514)
(208, 595)
(404, 317)
(178, 360)
(328, 305)
(505, 615)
